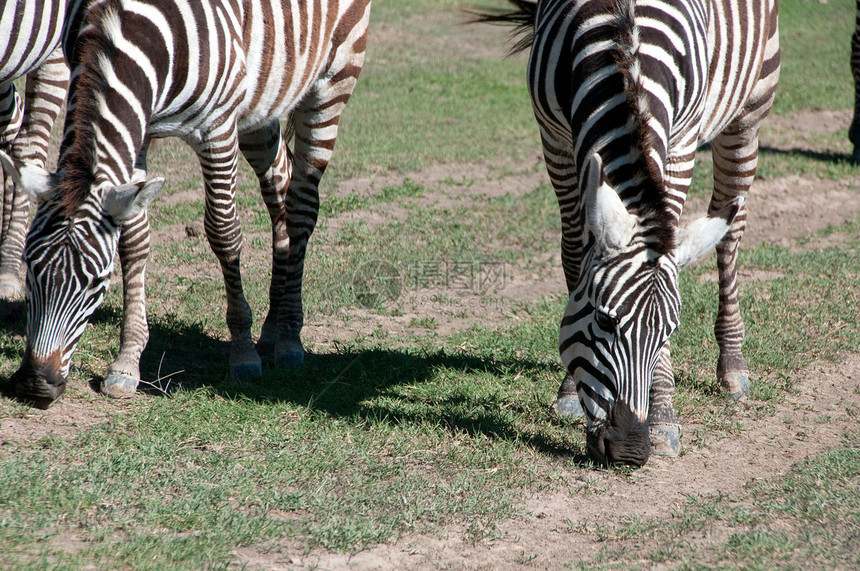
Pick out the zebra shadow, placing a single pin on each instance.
(824, 157)
(351, 385)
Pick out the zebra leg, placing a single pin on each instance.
(124, 373)
(663, 425)
(735, 150)
(43, 101)
(665, 430)
(11, 117)
(134, 242)
(562, 174)
(854, 131)
(315, 122)
(268, 155)
(218, 158)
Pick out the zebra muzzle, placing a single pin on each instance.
(624, 440)
(38, 382)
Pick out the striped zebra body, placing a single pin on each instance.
(624, 93)
(29, 45)
(854, 130)
(219, 75)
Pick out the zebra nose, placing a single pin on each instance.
(632, 450)
(624, 440)
(38, 381)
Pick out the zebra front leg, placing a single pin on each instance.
(268, 155)
(218, 159)
(562, 174)
(124, 373)
(663, 425)
(735, 152)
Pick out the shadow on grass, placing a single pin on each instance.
(182, 356)
(338, 383)
(824, 157)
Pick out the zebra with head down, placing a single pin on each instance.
(219, 75)
(624, 92)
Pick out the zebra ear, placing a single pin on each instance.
(126, 201)
(698, 237)
(606, 215)
(36, 182)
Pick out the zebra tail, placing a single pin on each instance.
(522, 18)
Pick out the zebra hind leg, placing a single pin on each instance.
(315, 123)
(269, 156)
(736, 148)
(11, 115)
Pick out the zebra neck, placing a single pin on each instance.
(105, 127)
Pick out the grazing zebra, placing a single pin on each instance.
(217, 74)
(29, 45)
(624, 92)
(854, 130)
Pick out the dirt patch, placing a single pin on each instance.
(781, 210)
(59, 421)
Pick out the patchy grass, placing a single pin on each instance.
(386, 432)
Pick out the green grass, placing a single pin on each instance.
(384, 433)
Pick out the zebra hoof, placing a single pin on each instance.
(665, 440)
(568, 407)
(266, 347)
(289, 353)
(290, 359)
(119, 386)
(736, 384)
(246, 371)
(10, 290)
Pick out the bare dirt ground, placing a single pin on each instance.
(780, 211)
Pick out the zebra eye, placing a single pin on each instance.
(605, 320)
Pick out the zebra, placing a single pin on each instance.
(218, 75)
(624, 92)
(854, 129)
(29, 45)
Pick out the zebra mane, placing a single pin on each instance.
(653, 210)
(78, 154)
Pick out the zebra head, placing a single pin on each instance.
(622, 312)
(69, 258)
